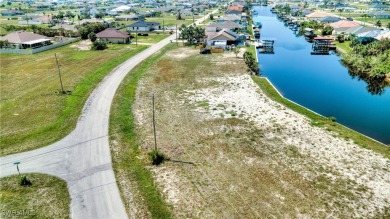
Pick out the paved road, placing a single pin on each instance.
(83, 157)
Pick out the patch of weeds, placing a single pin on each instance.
(157, 157)
(221, 106)
(204, 103)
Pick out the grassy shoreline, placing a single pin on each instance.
(47, 197)
(320, 121)
(128, 164)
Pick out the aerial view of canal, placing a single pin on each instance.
(320, 82)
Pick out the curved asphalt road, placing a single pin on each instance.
(83, 157)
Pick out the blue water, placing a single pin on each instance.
(320, 82)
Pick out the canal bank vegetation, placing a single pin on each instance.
(371, 63)
(232, 148)
(46, 197)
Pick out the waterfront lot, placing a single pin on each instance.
(235, 153)
(33, 113)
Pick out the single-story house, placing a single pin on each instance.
(65, 27)
(230, 17)
(380, 15)
(24, 40)
(329, 19)
(369, 36)
(379, 7)
(361, 29)
(130, 17)
(186, 12)
(112, 35)
(224, 36)
(122, 8)
(343, 26)
(237, 12)
(145, 14)
(236, 7)
(385, 35)
(143, 26)
(215, 27)
(317, 15)
(11, 13)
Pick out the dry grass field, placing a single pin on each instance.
(235, 153)
(33, 113)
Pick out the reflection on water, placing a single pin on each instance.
(320, 82)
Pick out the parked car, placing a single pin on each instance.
(349, 18)
(205, 51)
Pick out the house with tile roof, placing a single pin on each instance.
(317, 15)
(343, 26)
(236, 7)
(25, 40)
(111, 35)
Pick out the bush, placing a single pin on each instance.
(99, 45)
(92, 36)
(23, 181)
(157, 157)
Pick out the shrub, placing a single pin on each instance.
(23, 181)
(92, 36)
(157, 157)
(99, 45)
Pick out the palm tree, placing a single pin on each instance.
(365, 16)
(378, 23)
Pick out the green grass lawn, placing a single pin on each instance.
(344, 46)
(171, 21)
(321, 121)
(47, 197)
(373, 21)
(33, 114)
(151, 38)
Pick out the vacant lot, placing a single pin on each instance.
(47, 197)
(237, 154)
(33, 113)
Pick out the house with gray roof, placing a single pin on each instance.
(329, 19)
(215, 27)
(11, 13)
(143, 26)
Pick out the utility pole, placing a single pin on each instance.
(59, 74)
(136, 37)
(163, 27)
(154, 124)
(177, 43)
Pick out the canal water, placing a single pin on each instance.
(320, 82)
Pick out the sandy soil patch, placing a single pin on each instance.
(181, 53)
(240, 96)
(243, 155)
(83, 45)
